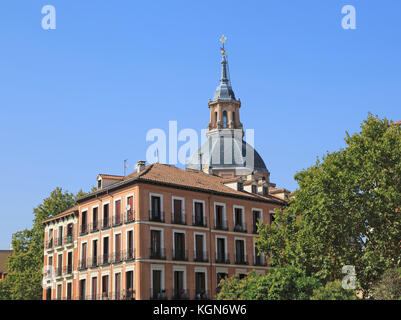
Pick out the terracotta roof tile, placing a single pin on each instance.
(62, 214)
(196, 179)
(169, 174)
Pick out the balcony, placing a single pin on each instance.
(158, 253)
(105, 223)
(157, 216)
(129, 255)
(105, 296)
(200, 256)
(259, 261)
(117, 257)
(59, 271)
(180, 255)
(241, 259)
(94, 262)
(201, 294)
(221, 258)
(117, 220)
(180, 294)
(49, 244)
(199, 221)
(67, 270)
(241, 227)
(58, 242)
(221, 225)
(84, 229)
(178, 218)
(69, 239)
(129, 216)
(95, 226)
(158, 294)
(83, 264)
(105, 259)
(128, 294)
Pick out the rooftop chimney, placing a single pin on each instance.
(140, 165)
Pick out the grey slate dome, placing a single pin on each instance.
(224, 152)
(225, 149)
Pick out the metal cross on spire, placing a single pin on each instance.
(222, 40)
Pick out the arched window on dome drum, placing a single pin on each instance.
(234, 117)
(225, 119)
(215, 117)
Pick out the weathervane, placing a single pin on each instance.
(222, 40)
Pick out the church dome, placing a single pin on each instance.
(225, 153)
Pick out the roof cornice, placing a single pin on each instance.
(137, 180)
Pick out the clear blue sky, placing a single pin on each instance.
(78, 100)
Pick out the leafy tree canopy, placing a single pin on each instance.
(24, 280)
(345, 211)
(389, 286)
(287, 283)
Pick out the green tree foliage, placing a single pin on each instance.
(287, 283)
(345, 211)
(333, 290)
(389, 286)
(24, 280)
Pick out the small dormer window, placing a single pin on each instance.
(254, 188)
(240, 186)
(265, 190)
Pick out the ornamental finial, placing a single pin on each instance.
(222, 40)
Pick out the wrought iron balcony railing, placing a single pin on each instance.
(105, 259)
(117, 257)
(199, 221)
(129, 216)
(240, 227)
(59, 271)
(83, 264)
(67, 269)
(201, 294)
(157, 253)
(69, 238)
(158, 294)
(221, 225)
(259, 261)
(94, 261)
(49, 244)
(117, 220)
(223, 258)
(129, 254)
(180, 255)
(200, 256)
(105, 224)
(95, 226)
(59, 242)
(83, 229)
(180, 294)
(178, 218)
(241, 259)
(157, 216)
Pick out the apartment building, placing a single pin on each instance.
(164, 232)
(60, 250)
(160, 233)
